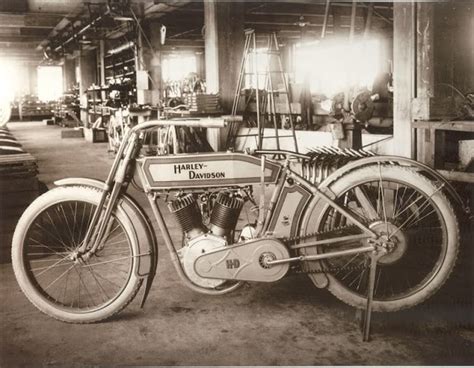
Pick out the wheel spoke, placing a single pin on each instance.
(382, 195)
(111, 261)
(365, 203)
(49, 233)
(67, 223)
(85, 286)
(41, 245)
(422, 207)
(398, 214)
(103, 278)
(58, 278)
(47, 268)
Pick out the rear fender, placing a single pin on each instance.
(403, 161)
(146, 237)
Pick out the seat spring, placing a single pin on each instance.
(324, 160)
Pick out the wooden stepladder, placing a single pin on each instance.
(262, 78)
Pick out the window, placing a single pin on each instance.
(9, 78)
(257, 63)
(50, 82)
(178, 67)
(331, 66)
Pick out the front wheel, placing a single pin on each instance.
(406, 210)
(43, 257)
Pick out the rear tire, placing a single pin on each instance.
(426, 244)
(48, 233)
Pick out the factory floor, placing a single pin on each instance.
(286, 323)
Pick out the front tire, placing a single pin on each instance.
(413, 212)
(45, 239)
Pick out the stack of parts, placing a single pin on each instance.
(31, 107)
(203, 103)
(8, 143)
(18, 188)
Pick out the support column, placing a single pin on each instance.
(403, 76)
(152, 61)
(154, 67)
(224, 40)
(211, 46)
(425, 138)
(141, 72)
(101, 61)
(87, 76)
(69, 73)
(230, 25)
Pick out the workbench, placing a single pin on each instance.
(431, 146)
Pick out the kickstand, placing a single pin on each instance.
(367, 314)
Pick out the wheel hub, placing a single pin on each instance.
(265, 258)
(394, 245)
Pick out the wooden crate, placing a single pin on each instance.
(18, 188)
(95, 135)
(72, 133)
(18, 165)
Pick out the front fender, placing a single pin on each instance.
(147, 243)
(88, 182)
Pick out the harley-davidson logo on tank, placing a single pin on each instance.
(204, 170)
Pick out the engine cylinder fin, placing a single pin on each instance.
(225, 213)
(187, 213)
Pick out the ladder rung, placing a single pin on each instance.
(264, 73)
(268, 52)
(263, 136)
(242, 93)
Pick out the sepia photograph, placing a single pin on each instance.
(236, 183)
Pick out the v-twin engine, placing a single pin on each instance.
(201, 239)
(209, 256)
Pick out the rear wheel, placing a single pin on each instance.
(406, 210)
(44, 258)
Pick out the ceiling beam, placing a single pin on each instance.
(7, 45)
(35, 20)
(20, 38)
(10, 31)
(306, 21)
(156, 9)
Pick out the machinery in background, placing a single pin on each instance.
(67, 111)
(30, 107)
(373, 109)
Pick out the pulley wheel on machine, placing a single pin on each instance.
(5, 113)
(363, 106)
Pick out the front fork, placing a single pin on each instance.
(112, 189)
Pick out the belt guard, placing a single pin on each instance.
(245, 261)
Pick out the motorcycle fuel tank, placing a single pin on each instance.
(206, 170)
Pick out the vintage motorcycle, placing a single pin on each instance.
(367, 228)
